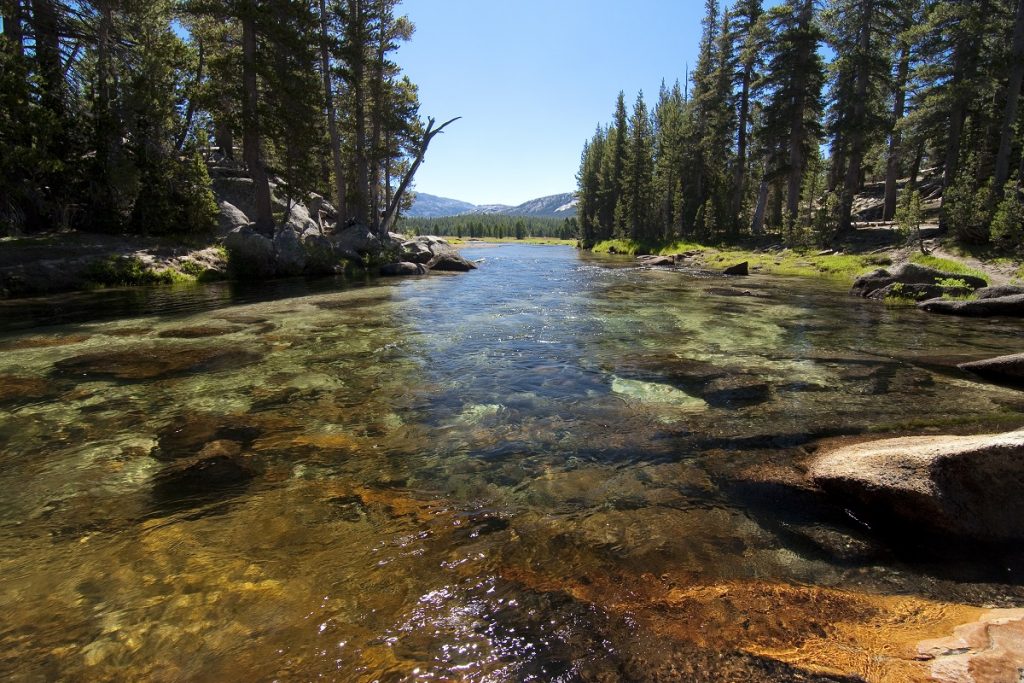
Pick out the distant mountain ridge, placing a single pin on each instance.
(553, 206)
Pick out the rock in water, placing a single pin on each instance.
(1008, 306)
(251, 253)
(909, 274)
(736, 391)
(738, 269)
(403, 268)
(1007, 370)
(958, 485)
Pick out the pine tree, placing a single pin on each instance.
(634, 210)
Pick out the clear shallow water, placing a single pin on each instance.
(552, 468)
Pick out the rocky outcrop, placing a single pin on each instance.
(916, 292)
(1008, 370)
(912, 274)
(953, 485)
(230, 219)
(446, 258)
(998, 292)
(989, 649)
(1006, 306)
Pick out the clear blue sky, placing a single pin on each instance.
(531, 79)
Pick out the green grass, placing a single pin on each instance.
(947, 265)
(124, 271)
(801, 263)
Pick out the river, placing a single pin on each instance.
(557, 467)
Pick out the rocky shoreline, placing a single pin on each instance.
(306, 243)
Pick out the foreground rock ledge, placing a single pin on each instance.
(961, 485)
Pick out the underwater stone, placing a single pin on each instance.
(153, 363)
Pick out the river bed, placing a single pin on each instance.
(555, 468)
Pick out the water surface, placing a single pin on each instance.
(553, 468)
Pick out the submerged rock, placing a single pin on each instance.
(737, 391)
(1009, 306)
(153, 363)
(207, 480)
(16, 389)
(1002, 370)
(198, 331)
(960, 485)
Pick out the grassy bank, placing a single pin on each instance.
(804, 263)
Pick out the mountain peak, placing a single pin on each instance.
(553, 206)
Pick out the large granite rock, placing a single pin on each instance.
(998, 292)
(909, 274)
(1008, 370)
(250, 253)
(966, 486)
(230, 219)
(1006, 306)
(446, 257)
(989, 649)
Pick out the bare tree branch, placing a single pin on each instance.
(391, 215)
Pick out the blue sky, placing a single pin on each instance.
(531, 80)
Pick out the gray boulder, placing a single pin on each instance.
(415, 251)
(447, 258)
(300, 222)
(321, 258)
(656, 260)
(909, 274)
(289, 253)
(251, 254)
(1008, 370)
(403, 268)
(917, 292)
(958, 485)
(230, 218)
(998, 292)
(1008, 306)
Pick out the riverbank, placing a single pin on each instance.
(845, 262)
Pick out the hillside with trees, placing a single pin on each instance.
(793, 110)
(114, 112)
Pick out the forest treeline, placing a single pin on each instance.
(492, 226)
(767, 135)
(111, 107)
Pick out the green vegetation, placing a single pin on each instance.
(912, 93)
(947, 265)
(490, 226)
(554, 241)
(797, 262)
(123, 271)
(112, 115)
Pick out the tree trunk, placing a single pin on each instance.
(796, 138)
(13, 34)
(358, 70)
(851, 180)
(391, 214)
(1013, 86)
(892, 164)
(739, 176)
(915, 168)
(757, 227)
(251, 143)
(47, 51)
(332, 119)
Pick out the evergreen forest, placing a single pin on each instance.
(111, 111)
(794, 108)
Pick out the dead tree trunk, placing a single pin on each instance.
(391, 214)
